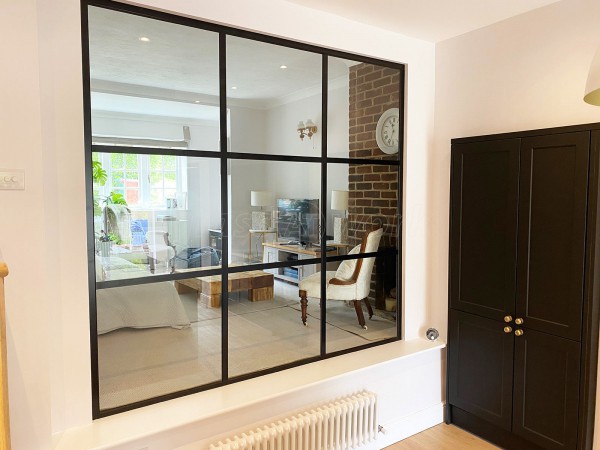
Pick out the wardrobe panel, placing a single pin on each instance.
(483, 227)
(546, 390)
(552, 221)
(481, 367)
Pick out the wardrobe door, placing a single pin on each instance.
(552, 220)
(546, 390)
(483, 234)
(480, 367)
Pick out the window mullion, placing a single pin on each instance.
(144, 179)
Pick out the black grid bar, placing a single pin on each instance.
(232, 269)
(89, 192)
(369, 161)
(189, 153)
(400, 220)
(224, 208)
(225, 157)
(127, 149)
(323, 286)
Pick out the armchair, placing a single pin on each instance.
(350, 282)
(160, 250)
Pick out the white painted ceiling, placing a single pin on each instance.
(429, 20)
(180, 64)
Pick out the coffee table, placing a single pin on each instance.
(259, 285)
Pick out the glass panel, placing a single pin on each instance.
(376, 287)
(155, 339)
(159, 222)
(265, 322)
(169, 162)
(118, 179)
(274, 98)
(131, 161)
(273, 201)
(363, 105)
(153, 83)
(360, 198)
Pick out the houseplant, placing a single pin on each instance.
(105, 239)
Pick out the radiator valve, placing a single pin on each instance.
(381, 429)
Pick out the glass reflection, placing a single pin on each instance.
(274, 98)
(153, 83)
(273, 202)
(155, 339)
(361, 301)
(372, 201)
(363, 110)
(155, 214)
(265, 322)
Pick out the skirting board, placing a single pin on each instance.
(409, 425)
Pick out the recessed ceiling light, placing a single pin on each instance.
(283, 66)
(234, 87)
(144, 39)
(196, 101)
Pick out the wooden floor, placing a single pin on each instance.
(443, 437)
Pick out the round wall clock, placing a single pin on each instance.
(387, 132)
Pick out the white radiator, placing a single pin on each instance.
(345, 423)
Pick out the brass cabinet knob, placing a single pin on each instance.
(508, 319)
(519, 321)
(507, 329)
(519, 332)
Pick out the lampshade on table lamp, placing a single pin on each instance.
(339, 202)
(261, 220)
(592, 87)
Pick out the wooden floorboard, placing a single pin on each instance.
(443, 437)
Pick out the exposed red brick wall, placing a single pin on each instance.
(373, 189)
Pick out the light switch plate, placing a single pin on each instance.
(12, 180)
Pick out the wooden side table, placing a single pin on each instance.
(259, 285)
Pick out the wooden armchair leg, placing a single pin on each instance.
(303, 303)
(368, 303)
(359, 313)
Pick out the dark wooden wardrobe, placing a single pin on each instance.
(524, 284)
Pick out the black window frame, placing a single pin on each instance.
(224, 155)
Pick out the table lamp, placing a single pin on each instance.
(261, 220)
(339, 202)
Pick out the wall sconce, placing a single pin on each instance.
(306, 130)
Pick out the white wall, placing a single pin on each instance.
(523, 73)
(23, 224)
(42, 231)
(303, 178)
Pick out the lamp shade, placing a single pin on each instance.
(592, 87)
(339, 200)
(260, 198)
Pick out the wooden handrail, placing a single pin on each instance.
(5, 421)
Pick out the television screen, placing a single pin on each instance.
(298, 220)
